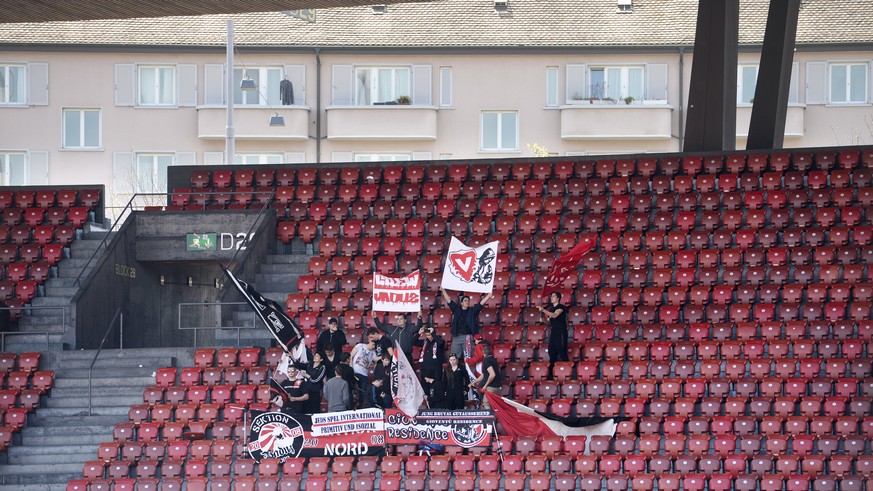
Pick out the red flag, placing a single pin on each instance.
(564, 266)
(518, 420)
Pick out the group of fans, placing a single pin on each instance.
(362, 378)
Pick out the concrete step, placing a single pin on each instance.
(59, 486)
(50, 301)
(76, 425)
(60, 283)
(64, 412)
(21, 474)
(64, 385)
(73, 450)
(28, 342)
(103, 398)
(294, 259)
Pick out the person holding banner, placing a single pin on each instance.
(401, 331)
(314, 376)
(556, 314)
(465, 321)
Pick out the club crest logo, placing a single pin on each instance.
(470, 268)
(275, 435)
(470, 435)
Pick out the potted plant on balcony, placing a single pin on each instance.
(404, 100)
(628, 100)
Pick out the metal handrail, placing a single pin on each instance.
(214, 328)
(62, 308)
(119, 315)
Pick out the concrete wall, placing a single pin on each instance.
(148, 247)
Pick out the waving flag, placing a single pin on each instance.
(285, 330)
(564, 266)
(405, 387)
(470, 269)
(518, 420)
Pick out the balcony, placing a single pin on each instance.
(587, 121)
(253, 123)
(793, 121)
(394, 122)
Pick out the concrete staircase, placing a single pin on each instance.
(276, 279)
(61, 436)
(50, 313)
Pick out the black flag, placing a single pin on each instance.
(271, 314)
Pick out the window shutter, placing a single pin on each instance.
(341, 85)
(37, 86)
(576, 86)
(341, 156)
(123, 173)
(294, 157)
(656, 82)
(125, 83)
(39, 167)
(421, 156)
(187, 85)
(296, 74)
(213, 158)
(421, 84)
(816, 82)
(446, 86)
(794, 84)
(186, 158)
(213, 81)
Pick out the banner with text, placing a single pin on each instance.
(466, 428)
(392, 293)
(345, 433)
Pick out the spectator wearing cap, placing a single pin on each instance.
(333, 336)
(465, 321)
(433, 355)
(402, 331)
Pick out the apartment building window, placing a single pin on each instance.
(382, 157)
(258, 158)
(12, 84)
(82, 128)
(747, 83)
(379, 85)
(12, 169)
(446, 86)
(157, 85)
(551, 86)
(614, 83)
(499, 131)
(151, 172)
(267, 80)
(848, 83)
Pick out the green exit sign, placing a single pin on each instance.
(201, 242)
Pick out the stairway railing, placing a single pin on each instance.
(119, 316)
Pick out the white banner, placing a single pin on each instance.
(397, 293)
(468, 269)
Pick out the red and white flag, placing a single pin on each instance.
(470, 269)
(406, 390)
(518, 420)
(564, 266)
(393, 293)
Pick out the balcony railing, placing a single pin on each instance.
(389, 122)
(253, 123)
(616, 121)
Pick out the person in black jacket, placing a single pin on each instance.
(333, 335)
(314, 376)
(401, 331)
(457, 383)
(433, 355)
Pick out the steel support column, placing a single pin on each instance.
(767, 126)
(712, 95)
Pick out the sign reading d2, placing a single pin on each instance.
(201, 242)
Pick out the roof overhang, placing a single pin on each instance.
(15, 11)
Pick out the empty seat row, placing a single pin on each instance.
(49, 198)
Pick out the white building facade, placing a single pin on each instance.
(116, 103)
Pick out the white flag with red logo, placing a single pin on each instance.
(470, 269)
(393, 293)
